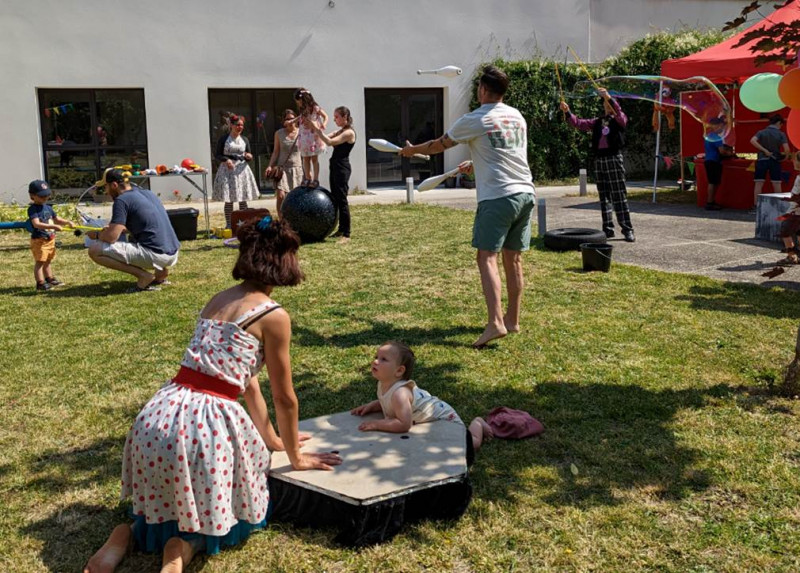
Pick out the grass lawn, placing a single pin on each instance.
(661, 451)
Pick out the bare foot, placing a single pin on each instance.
(162, 275)
(177, 554)
(511, 327)
(343, 240)
(488, 433)
(112, 552)
(145, 281)
(491, 333)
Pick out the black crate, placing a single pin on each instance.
(184, 221)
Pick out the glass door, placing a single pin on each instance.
(262, 109)
(398, 115)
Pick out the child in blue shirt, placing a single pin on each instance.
(43, 224)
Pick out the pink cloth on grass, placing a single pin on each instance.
(511, 424)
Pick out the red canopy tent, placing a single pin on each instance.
(724, 64)
(728, 65)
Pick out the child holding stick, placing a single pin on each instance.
(44, 222)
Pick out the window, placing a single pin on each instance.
(398, 115)
(85, 131)
(262, 109)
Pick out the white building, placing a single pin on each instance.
(91, 83)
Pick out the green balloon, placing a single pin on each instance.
(760, 93)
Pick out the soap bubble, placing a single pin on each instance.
(697, 96)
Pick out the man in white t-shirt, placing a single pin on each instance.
(498, 141)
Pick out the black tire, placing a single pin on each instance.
(570, 238)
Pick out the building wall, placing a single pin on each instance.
(177, 50)
(616, 24)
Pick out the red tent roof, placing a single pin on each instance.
(725, 64)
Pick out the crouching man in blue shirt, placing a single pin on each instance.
(141, 213)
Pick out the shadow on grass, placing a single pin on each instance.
(108, 288)
(72, 534)
(742, 298)
(56, 471)
(379, 332)
(619, 438)
(12, 248)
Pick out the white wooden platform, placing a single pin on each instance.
(377, 465)
(768, 208)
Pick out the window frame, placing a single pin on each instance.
(98, 150)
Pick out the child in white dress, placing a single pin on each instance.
(196, 462)
(403, 403)
(309, 142)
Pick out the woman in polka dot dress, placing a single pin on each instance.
(195, 463)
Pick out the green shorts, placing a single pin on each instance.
(504, 223)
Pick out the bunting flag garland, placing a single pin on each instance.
(59, 109)
(669, 160)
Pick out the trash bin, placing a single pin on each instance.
(596, 256)
(184, 221)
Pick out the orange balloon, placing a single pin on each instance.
(793, 127)
(789, 89)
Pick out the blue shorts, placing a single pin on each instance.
(504, 223)
(763, 166)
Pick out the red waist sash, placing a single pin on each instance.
(206, 384)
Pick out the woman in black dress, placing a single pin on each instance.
(342, 141)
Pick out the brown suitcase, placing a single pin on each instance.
(242, 216)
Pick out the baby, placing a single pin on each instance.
(403, 403)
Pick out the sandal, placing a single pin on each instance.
(152, 287)
(165, 282)
(305, 182)
(314, 184)
(792, 259)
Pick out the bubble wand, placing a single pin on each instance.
(580, 63)
(560, 89)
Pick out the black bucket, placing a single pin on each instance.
(596, 256)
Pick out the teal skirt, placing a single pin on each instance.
(152, 537)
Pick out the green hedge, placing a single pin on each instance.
(557, 151)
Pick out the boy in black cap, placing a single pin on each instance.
(41, 217)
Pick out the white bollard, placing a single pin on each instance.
(541, 216)
(582, 182)
(409, 189)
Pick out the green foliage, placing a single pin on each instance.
(71, 178)
(776, 43)
(555, 150)
(11, 213)
(14, 213)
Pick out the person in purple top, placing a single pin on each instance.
(608, 140)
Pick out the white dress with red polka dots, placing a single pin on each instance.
(196, 458)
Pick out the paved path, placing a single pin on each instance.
(685, 239)
(673, 238)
